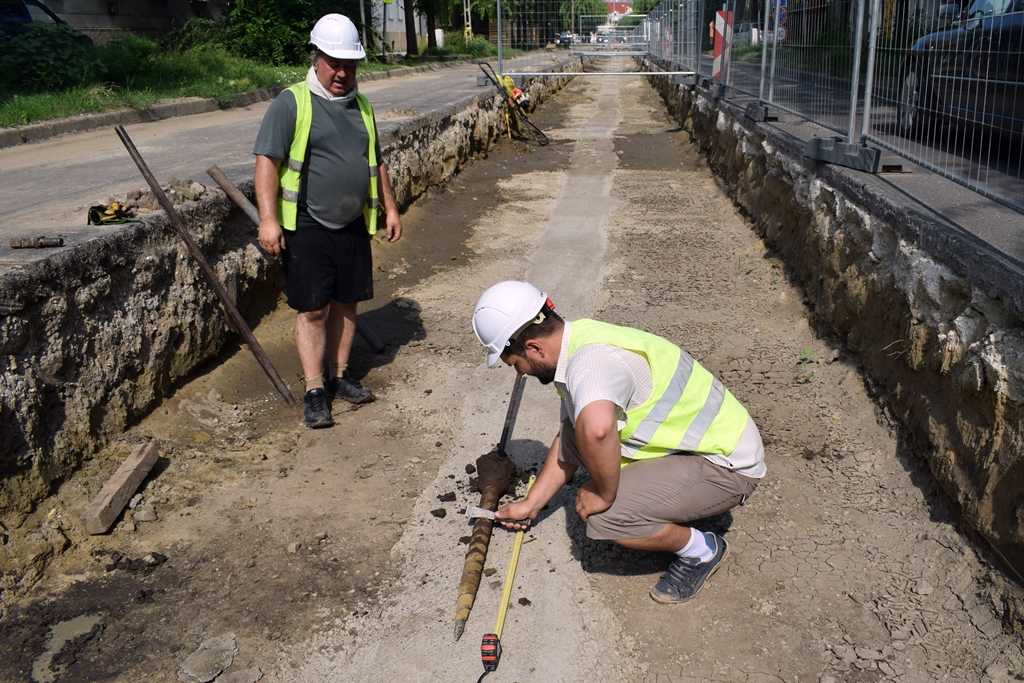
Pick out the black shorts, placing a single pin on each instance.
(321, 264)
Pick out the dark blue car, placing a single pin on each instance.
(16, 19)
(972, 73)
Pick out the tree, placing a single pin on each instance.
(595, 11)
(429, 8)
(277, 31)
(411, 47)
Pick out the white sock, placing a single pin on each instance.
(697, 547)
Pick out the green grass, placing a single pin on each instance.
(746, 53)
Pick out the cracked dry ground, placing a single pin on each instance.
(319, 550)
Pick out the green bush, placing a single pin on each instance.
(48, 57)
(126, 58)
(455, 43)
(258, 31)
(196, 32)
(277, 31)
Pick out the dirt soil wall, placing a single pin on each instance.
(95, 337)
(935, 317)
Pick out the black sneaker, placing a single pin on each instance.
(318, 411)
(349, 389)
(686, 575)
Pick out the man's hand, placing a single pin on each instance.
(589, 502)
(392, 221)
(514, 514)
(392, 226)
(271, 237)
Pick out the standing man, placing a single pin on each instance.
(319, 180)
(664, 442)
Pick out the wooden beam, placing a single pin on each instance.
(116, 493)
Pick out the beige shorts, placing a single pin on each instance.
(674, 489)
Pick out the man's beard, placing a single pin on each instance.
(544, 373)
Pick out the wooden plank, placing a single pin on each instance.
(116, 493)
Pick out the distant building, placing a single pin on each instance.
(617, 10)
(105, 20)
(394, 25)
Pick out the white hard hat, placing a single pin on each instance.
(502, 311)
(337, 36)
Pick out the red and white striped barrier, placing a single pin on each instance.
(723, 42)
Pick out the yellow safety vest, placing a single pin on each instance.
(689, 410)
(289, 174)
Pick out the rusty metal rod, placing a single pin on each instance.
(222, 294)
(37, 242)
(232, 191)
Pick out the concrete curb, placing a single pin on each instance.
(186, 106)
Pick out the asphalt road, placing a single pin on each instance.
(49, 185)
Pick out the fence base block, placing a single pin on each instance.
(689, 82)
(835, 151)
(759, 112)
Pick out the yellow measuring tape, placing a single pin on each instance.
(506, 592)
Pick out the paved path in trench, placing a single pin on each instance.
(845, 565)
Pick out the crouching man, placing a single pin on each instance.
(663, 441)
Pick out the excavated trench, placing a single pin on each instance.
(221, 426)
(76, 370)
(935, 314)
(318, 555)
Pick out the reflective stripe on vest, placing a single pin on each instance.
(289, 175)
(688, 410)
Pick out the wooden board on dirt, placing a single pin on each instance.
(116, 493)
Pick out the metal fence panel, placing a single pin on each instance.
(811, 49)
(948, 91)
(939, 83)
(531, 35)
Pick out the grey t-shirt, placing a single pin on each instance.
(339, 178)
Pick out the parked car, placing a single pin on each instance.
(948, 14)
(972, 73)
(564, 40)
(742, 34)
(16, 18)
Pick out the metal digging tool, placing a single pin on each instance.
(225, 300)
(496, 474)
(515, 101)
(231, 190)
